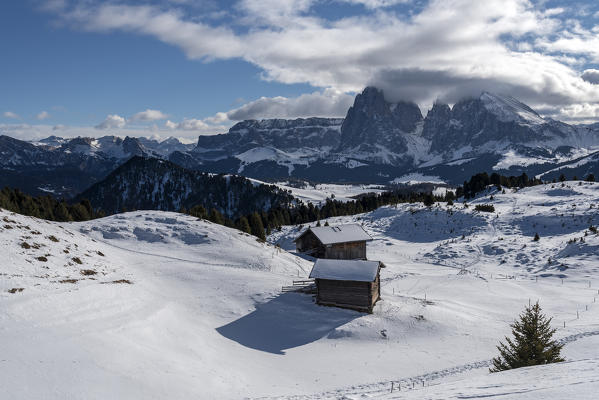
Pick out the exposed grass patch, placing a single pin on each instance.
(127, 281)
(16, 290)
(25, 245)
(77, 260)
(100, 253)
(8, 220)
(8, 226)
(88, 272)
(36, 233)
(41, 258)
(69, 281)
(65, 251)
(53, 238)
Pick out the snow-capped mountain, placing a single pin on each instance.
(67, 166)
(380, 141)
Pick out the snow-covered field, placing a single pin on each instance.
(318, 193)
(181, 308)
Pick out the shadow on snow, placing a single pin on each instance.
(288, 320)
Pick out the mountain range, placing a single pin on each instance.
(378, 141)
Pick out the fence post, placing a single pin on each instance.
(391, 387)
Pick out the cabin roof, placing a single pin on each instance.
(345, 270)
(339, 234)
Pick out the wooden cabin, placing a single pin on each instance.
(342, 242)
(353, 284)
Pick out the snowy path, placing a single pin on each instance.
(414, 382)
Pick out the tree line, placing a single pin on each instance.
(47, 207)
(260, 223)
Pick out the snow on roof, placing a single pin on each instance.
(345, 270)
(339, 233)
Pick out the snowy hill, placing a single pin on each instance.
(204, 315)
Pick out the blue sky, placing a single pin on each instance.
(184, 68)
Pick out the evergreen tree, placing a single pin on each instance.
(532, 343)
(243, 225)
(61, 212)
(562, 177)
(590, 178)
(429, 200)
(198, 211)
(216, 217)
(256, 226)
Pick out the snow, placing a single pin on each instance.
(460, 161)
(286, 159)
(508, 109)
(340, 234)
(574, 380)
(318, 193)
(204, 315)
(345, 270)
(415, 178)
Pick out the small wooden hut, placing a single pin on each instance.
(342, 242)
(351, 284)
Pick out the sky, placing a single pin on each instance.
(184, 68)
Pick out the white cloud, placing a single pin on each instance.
(192, 125)
(329, 103)
(372, 4)
(112, 121)
(43, 115)
(149, 115)
(11, 115)
(170, 124)
(218, 118)
(458, 45)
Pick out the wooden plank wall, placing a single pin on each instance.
(310, 242)
(347, 251)
(344, 293)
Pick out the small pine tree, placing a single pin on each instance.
(590, 178)
(562, 178)
(429, 200)
(326, 223)
(532, 343)
(318, 223)
(537, 237)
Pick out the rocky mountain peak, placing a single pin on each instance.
(132, 146)
(436, 118)
(373, 120)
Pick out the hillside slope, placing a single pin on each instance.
(204, 315)
(153, 184)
